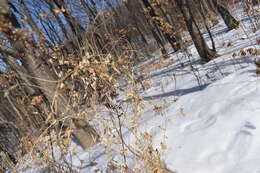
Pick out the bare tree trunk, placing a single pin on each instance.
(204, 51)
(173, 31)
(136, 22)
(229, 20)
(156, 35)
(202, 12)
(212, 6)
(205, 6)
(169, 37)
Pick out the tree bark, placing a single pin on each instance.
(203, 14)
(178, 44)
(152, 26)
(204, 51)
(229, 20)
(169, 37)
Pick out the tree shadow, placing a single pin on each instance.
(243, 62)
(216, 32)
(175, 68)
(176, 92)
(249, 17)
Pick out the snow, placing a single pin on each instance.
(218, 131)
(211, 117)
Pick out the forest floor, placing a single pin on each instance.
(209, 119)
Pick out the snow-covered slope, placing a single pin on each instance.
(214, 127)
(219, 129)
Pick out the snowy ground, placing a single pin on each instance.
(214, 126)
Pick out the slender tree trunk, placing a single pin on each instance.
(137, 22)
(229, 20)
(212, 6)
(204, 51)
(205, 6)
(46, 79)
(178, 44)
(169, 37)
(202, 12)
(152, 26)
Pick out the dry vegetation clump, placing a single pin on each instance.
(90, 84)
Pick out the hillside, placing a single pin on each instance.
(201, 118)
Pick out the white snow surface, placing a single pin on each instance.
(214, 126)
(219, 129)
